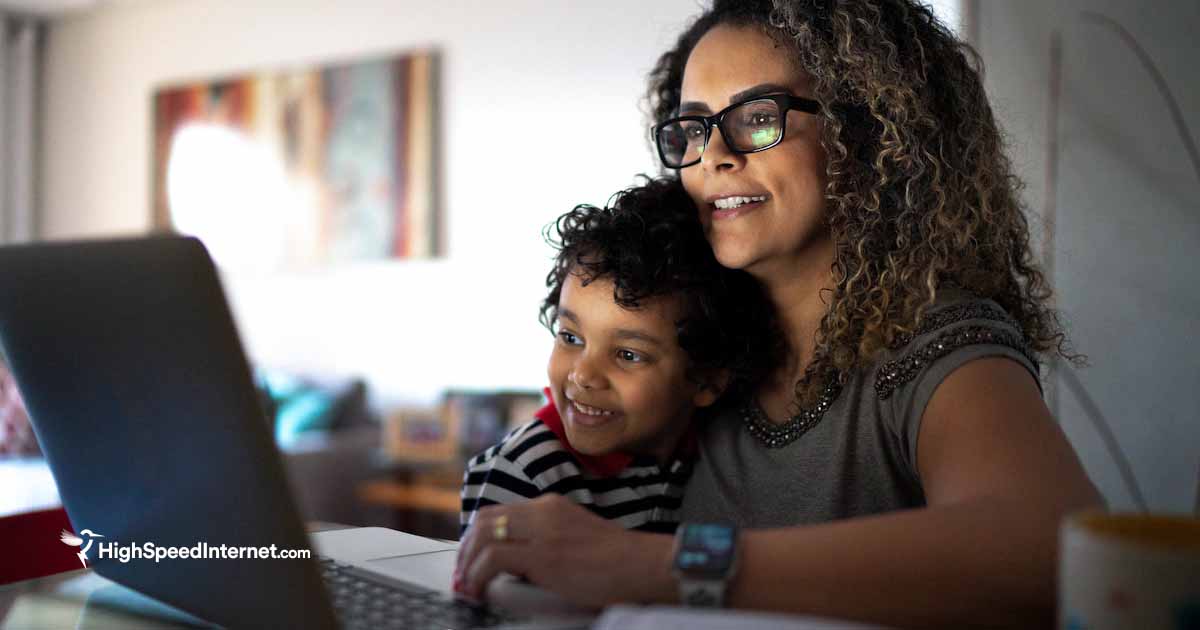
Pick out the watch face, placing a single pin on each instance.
(705, 549)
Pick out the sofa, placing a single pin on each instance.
(326, 431)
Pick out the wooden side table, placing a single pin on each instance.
(422, 499)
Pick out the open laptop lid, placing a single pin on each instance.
(129, 363)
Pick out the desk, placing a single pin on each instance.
(40, 603)
(61, 601)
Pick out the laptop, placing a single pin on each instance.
(141, 397)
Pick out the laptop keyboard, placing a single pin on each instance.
(365, 600)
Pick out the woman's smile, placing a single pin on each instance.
(731, 206)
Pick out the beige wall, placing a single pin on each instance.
(511, 71)
(1128, 224)
(1128, 215)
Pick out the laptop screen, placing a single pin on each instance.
(142, 400)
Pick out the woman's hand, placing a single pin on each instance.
(562, 547)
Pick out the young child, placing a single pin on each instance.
(649, 329)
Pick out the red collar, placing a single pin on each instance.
(600, 465)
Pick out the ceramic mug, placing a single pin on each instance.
(1129, 571)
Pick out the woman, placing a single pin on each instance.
(902, 463)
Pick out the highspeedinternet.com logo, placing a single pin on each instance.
(75, 541)
(125, 552)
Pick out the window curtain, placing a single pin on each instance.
(19, 47)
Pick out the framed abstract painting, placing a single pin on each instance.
(302, 168)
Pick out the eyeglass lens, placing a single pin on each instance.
(748, 127)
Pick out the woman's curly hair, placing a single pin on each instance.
(649, 243)
(920, 195)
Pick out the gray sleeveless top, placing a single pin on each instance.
(860, 457)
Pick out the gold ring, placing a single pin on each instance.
(500, 528)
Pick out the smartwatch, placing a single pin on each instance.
(705, 560)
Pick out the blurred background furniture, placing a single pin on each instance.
(324, 426)
(346, 463)
(419, 470)
(417, 498)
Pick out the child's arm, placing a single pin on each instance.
(498, 476)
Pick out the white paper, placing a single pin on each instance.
(666, 618)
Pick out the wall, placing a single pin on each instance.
(1127, 229)
(513, 73)
(1127, 209)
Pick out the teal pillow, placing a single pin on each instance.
(305, 411)
(299, 407)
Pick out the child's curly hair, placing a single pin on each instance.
(649, 243)
(920, 194)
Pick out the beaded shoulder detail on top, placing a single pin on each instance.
(954, 314)
(778, 436)
(892, 374)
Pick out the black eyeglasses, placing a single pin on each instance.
(747, 127)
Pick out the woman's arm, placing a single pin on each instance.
(561, 546)
(998, 476)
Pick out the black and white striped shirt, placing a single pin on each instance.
(535, 459)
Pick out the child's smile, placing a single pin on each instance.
(591, 416)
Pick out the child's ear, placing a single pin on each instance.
(712, 385)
